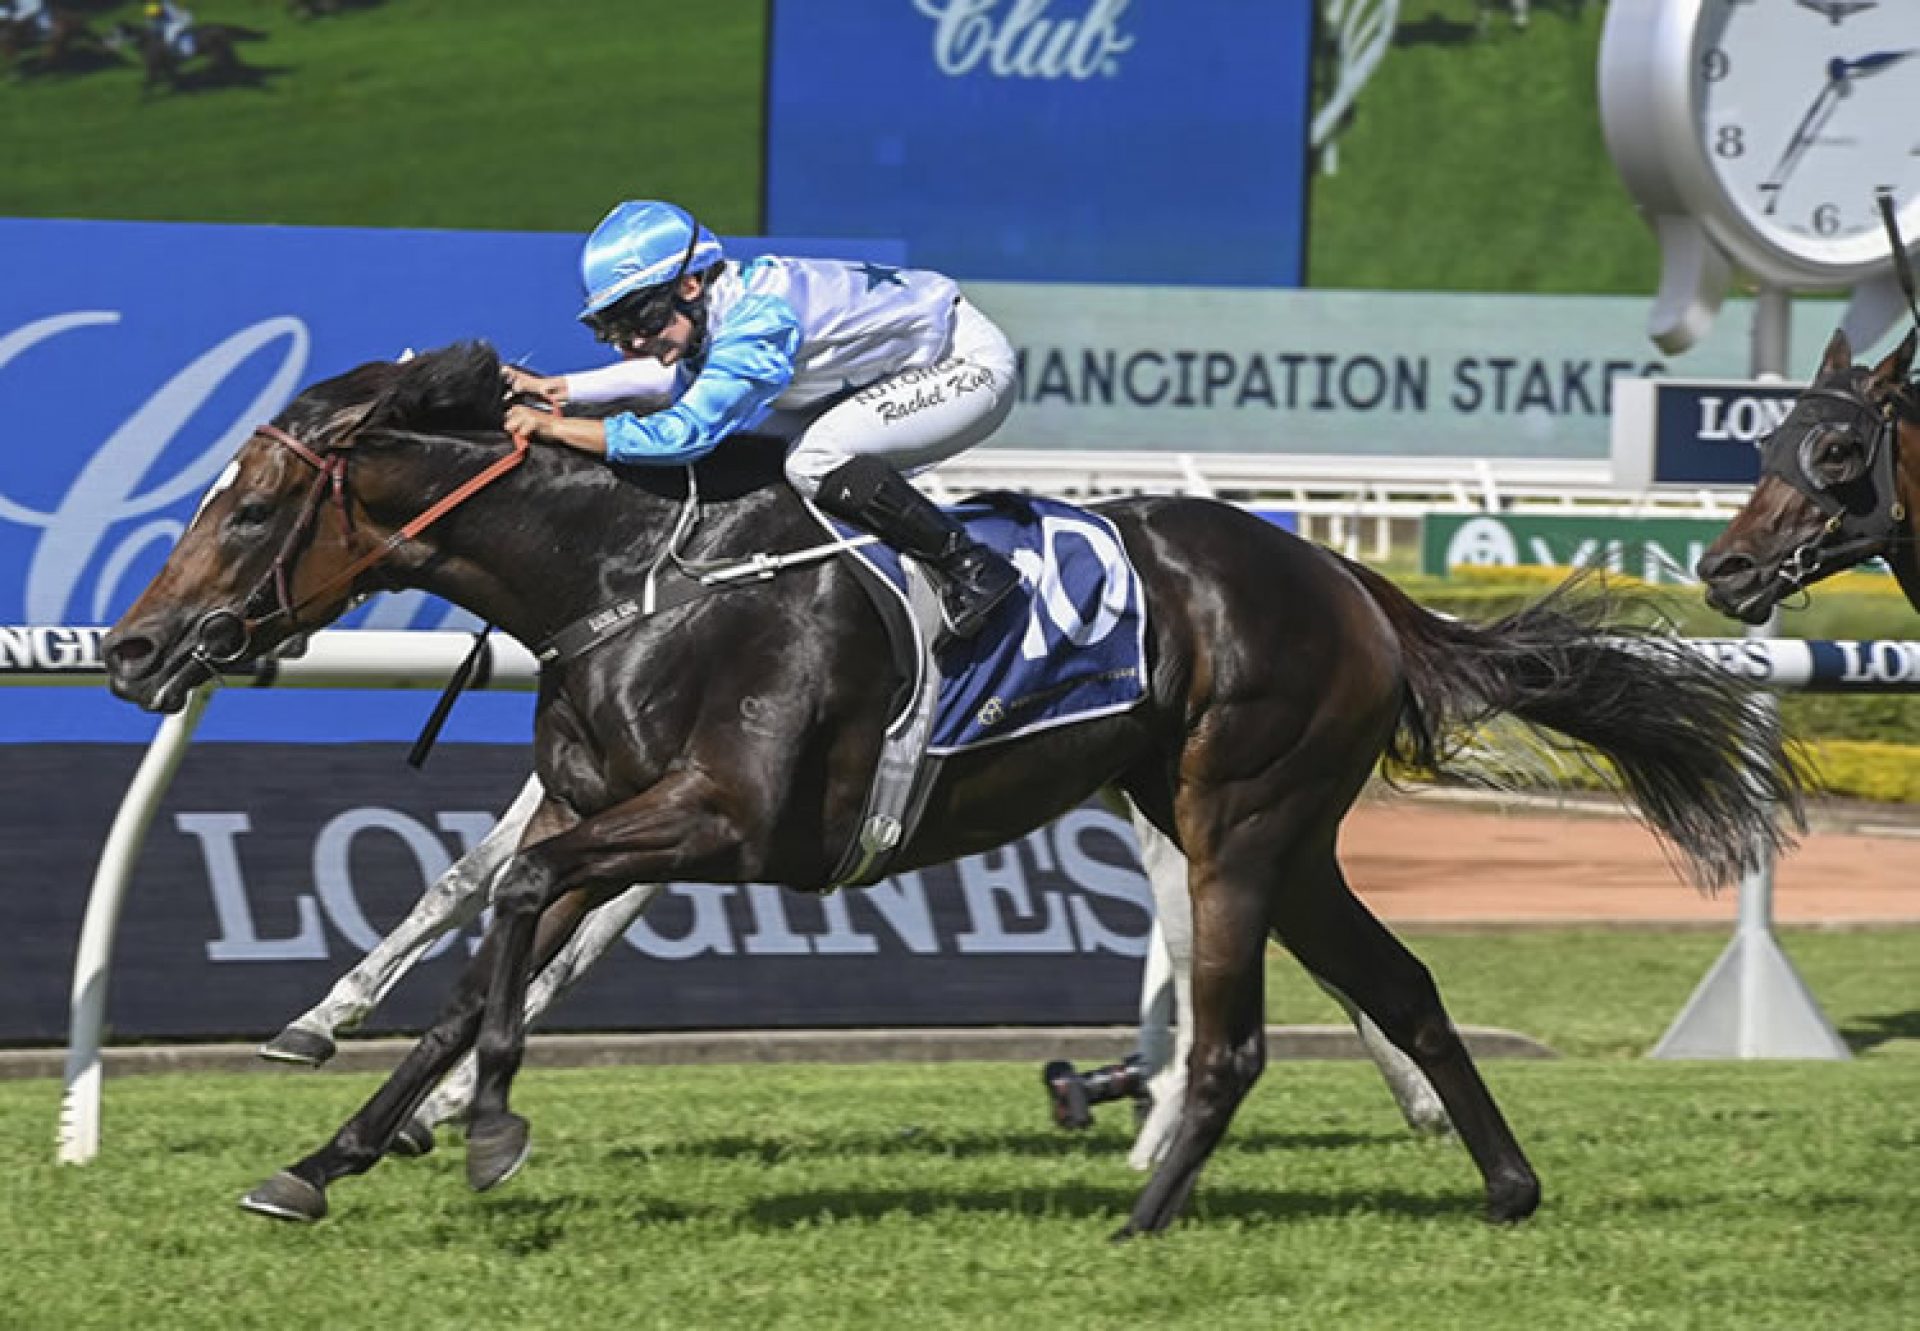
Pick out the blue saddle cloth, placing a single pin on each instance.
(1069, 646)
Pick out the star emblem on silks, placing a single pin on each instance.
(879, 275)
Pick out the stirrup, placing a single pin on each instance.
(965, 610)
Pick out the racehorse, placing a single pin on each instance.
(61, 43)
(214, 50)
(1839, 482)
(732, 737)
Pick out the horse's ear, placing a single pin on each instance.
(1839, 354)
(1892, 372)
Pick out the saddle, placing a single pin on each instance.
(1069, 646)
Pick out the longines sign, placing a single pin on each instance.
(272, 868)
(1694, 432)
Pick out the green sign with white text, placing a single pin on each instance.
(1659, 550)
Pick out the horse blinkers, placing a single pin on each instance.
(1844, 467)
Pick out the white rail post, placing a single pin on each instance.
(80, 1103)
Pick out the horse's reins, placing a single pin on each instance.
(330, 466)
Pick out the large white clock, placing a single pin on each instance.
(1758, 131)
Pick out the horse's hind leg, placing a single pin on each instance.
(1321, 922)
(453, 901)
(1418, 1102)
(1165, 1053)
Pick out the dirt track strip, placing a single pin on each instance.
(1427, 859)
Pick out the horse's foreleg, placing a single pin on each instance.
(677, 827)
(604, 926)
(300, 1192)
(452, 902)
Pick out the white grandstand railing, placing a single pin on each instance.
(1339, 498)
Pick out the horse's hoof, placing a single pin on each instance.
(414, 1139)
(1430, 1124)
(287, 1196)
(1512, 1199)
(295, 1045)
(496, 1150)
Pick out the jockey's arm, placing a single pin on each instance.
(749, 365)
(623, 381)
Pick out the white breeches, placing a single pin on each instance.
(915, 418)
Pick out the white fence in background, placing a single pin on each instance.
(337, 659)
(1351, 503)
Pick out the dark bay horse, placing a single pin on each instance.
(731, 739)
(65, 40)
(215, 61)
(1839, 482)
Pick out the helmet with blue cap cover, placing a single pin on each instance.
(632, 264)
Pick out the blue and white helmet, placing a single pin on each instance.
(641, 244)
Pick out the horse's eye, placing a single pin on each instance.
(1834, 456)
(253, 513)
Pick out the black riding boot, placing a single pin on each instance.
(970, 579)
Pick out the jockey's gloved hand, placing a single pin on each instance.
(525, 384)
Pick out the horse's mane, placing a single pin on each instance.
(456, 390)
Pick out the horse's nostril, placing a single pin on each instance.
(1712, 568)
(130, 657)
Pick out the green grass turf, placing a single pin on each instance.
(499, 114)
(1678, 1195)
(1477, 164)
(491, 114)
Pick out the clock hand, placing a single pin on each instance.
(1872, 64)
(1809, 125)
(1839, 82)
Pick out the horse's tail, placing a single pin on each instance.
(1705, 767)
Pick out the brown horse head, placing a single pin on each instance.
(284, 543)
(1838, 482)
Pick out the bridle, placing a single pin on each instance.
(1864, 514)
(222, 637)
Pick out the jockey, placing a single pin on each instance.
(32, 12)
(173, 24)
(867, 372)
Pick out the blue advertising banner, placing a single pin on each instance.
(135, 358)
(1048, 140)
(1693, 432)
(271, 869)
